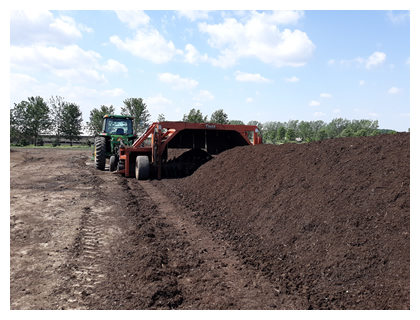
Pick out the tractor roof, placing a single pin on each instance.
(117, 116)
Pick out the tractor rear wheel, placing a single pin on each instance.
(100, 153)
(142, 168)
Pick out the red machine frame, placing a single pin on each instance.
(160, 140)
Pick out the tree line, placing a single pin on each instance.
(36, 117)
(32, 118)
(305, 131)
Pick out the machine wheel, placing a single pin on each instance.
(142, 168)
(112, 163)
(100, 153)
(121, 165)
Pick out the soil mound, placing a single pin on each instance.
(328, 221)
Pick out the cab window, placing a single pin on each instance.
(119, 126)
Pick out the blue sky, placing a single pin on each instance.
(255, 65)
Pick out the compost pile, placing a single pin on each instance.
(327, 221)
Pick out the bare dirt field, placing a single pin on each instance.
(324, 225)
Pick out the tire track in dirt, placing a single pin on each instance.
(89, 250)
(90, 253)
(62, 228)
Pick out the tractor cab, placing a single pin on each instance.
(117, 125)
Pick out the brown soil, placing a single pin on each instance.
(324, 225)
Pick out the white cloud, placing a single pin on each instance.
(398, 17)
(362, 82)
(80, 75)
(202, 96)
(249, 100)
(282, 17)
(331, 62)
(374, 115)
(66, 26)
(292, 79)
(148, 44)
(39, 57)
(114, 66)
(22, 79)
(193, 15)
(258, 37)
(314, 103)
(394, 90)
(177, 82)
(192, 55)
(157, 103)
(20, 86)
(113, 93)
(319, 114)
(376, 59)
(71, 63)
(36, 26)
(133, 18)
(336, 111)
(250, 77)
(326, 95)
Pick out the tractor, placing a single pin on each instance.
(116, 131)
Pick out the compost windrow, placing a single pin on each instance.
(327, 221)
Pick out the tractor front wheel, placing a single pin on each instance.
(112, 163)
(100, 153)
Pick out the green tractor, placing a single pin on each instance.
(116, 130)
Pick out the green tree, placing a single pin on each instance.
(255, 123)
(219, 116)
(29, 119)
(270, 131)
(273, 136)
(161, 117)
(347, 133)
(361, 133)
(137, 108)
(16, 132)
(194, 116)
(71, 124)
(322, 134)
(368, 125)
(305, 131)
(291, 134)
(317, 125)
(237, 122)
(96, 119)
(292, 124)
(281, 133)
(336, 127)
(56, 106)
(376, 132)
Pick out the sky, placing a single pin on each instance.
(270, 65)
